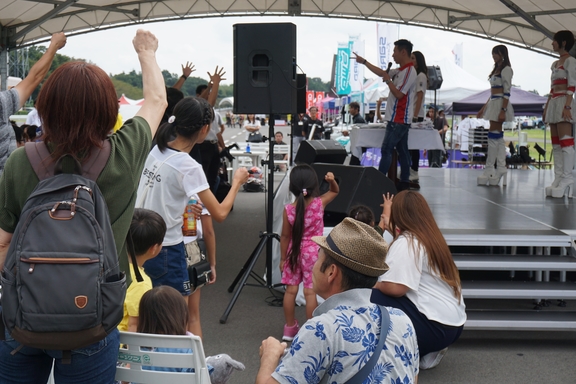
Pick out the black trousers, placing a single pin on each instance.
(210, 160)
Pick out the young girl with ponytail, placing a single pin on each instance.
(302, 219)
(170, 178)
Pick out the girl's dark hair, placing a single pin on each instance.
(173, 96)
(412, 216)
(162, 311)
(362, 213)
(190, 115)
(147, 229)
(420, 63)
(78, 107)
(564, 37)
(302, 178)
(253, 120)
(18, 132)
(503, 52)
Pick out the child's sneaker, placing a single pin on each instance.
(290, 332)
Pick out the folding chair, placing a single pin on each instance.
(136, 350)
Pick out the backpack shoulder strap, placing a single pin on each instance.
(39, 158)
(44, 167)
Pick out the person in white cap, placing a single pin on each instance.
(341, 337)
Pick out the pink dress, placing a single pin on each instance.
(313, 226)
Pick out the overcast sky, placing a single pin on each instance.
(209, 42)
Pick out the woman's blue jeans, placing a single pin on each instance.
(94, 364)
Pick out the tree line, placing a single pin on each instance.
(130, 84)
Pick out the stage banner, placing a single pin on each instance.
(386, 35)
(343, 69)
(356, 69)
(458, 52)
(309, 99)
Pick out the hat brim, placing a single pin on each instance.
(364, 269)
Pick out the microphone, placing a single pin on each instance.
(389, 66)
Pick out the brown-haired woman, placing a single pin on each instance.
(423, 280)
(78, 107)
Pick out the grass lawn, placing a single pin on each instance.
(534, 136)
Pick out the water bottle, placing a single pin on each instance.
(189, 225)
(248, 147)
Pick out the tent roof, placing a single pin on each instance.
(525, 23)
(524, 103)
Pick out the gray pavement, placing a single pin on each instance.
(478, 357)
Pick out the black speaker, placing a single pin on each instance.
(320, 151)
(358, 186)
(434, 78)
(265, 68)
(301, 93)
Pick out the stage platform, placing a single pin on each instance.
(460, 206)
(514, 247)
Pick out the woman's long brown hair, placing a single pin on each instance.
(412, 216)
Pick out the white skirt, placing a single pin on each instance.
(555, 108)
(494, 107)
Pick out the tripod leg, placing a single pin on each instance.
(246, 270)
(253, 255)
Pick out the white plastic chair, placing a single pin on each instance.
(131, 353)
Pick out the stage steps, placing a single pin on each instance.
(538, 264)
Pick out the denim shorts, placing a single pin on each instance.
(169, 268)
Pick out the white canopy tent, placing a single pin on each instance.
(527, 24)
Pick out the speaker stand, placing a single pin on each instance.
(266, 238)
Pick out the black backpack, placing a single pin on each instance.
(62, 286)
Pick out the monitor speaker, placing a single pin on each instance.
(434, 78)
(264, 68)
(358, 186)
(320, 151)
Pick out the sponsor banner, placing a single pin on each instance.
(343, 69)
(319, 103)
(309, 99)
(356, 69)
(386, 35)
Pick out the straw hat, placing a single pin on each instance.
(357, 246)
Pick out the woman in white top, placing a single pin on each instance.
(498, 110)
(423, 280)
(558, 113)
(251, 125)
(170, 178)
(421, 85)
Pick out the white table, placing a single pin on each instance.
(373, 138)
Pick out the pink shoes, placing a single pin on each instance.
(290, 332)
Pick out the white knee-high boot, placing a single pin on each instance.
(501, 169)
(490, 159)
(566, 184)
(558, 167)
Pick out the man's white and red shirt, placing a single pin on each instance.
(402, 110)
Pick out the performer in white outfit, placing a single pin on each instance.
(558, 113)
(419, 62)
(498, 110)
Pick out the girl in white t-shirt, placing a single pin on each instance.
(170, 178)
(420, 92)
(423, 280)
(251, 125)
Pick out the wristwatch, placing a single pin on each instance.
(388, 81)
(504, 109)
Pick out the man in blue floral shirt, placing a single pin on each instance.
(339, 340)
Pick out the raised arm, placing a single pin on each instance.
(186, 71)
(40, 69)
(145, 45)
(215, 84)
(333, 192)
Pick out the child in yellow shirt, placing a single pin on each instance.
(147, 230)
